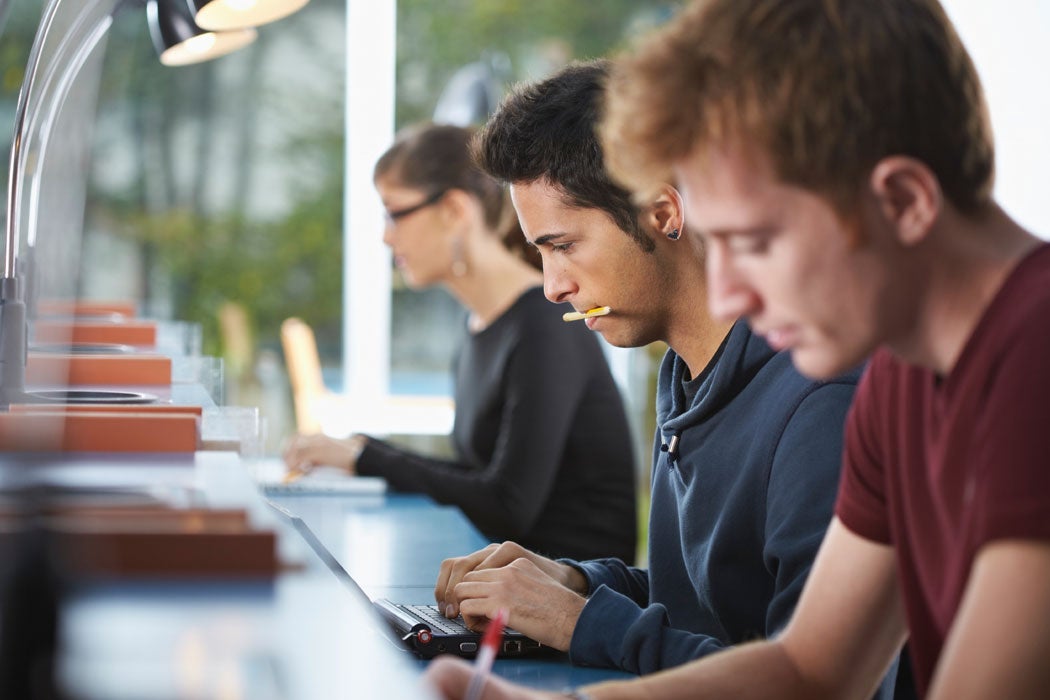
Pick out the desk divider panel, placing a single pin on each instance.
(112, 370)
(106, 408)
(148, 540)
(98, 431)
(139, 333)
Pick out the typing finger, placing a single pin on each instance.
(459, 569)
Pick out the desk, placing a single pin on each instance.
(393, 545)
(302, 635)
(298, 636)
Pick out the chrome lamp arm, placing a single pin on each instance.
(31, 114)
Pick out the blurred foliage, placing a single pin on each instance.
(205, 140)
(290, 267)
(434, 39)
(17, 25)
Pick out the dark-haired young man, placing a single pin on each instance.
(837, 161)
(745, 460)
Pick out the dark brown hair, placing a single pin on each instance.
(547, 131)
(825, 88)
(436, 157)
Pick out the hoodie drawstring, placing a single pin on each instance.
(671, 448)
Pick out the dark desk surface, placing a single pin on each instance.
(294, 637)
(393, 546)
(301, 635)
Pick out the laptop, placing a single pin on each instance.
(420, 628)
(271, 475)
(345, 486)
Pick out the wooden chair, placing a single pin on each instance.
(304, 373)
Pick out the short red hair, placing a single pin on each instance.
(824, 88)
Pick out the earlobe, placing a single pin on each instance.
(908, 195)
(667, 212)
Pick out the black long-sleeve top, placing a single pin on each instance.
(543, 451)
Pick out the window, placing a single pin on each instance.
(481, 47)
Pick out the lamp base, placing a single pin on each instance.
(82, 348)
(72, 396)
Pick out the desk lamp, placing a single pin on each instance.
(178, 40)
(218, 15)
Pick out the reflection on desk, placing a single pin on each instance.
(299, 638)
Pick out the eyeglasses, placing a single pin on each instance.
(397, 214)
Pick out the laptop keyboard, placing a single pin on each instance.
(437, 621)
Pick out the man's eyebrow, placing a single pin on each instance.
(547, 238)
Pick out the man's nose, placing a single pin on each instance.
(557, 286)
(729, 295)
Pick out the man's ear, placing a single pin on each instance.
(666, 212)
(908, 195)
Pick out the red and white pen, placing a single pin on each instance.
(486, 655)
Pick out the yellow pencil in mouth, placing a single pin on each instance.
(589, 313)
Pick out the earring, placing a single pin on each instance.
(674, 235)
(459, 264)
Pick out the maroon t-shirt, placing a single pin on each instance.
(940, 467)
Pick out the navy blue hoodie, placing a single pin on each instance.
(744, 480)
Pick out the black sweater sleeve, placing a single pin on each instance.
(543, 384)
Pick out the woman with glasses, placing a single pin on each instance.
(542, 446)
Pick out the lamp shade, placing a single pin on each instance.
(220, 15)
(180, 42)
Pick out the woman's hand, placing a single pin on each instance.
(304, 452)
